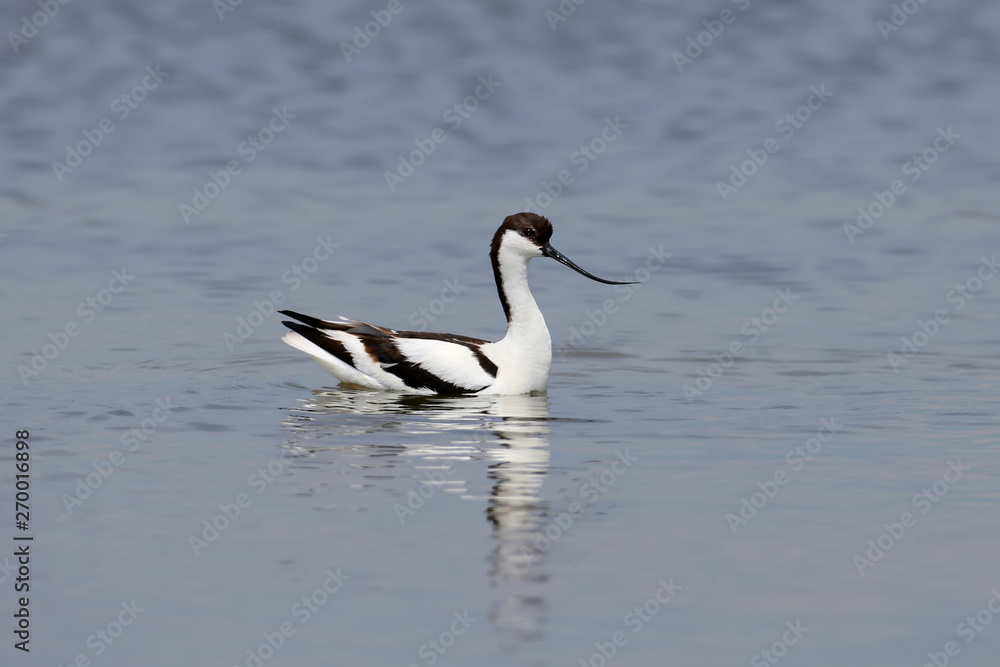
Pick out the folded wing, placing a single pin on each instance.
(381, 358)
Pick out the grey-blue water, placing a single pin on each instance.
(780, 448)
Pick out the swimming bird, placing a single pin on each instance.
(419, 362)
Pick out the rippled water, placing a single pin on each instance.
(784, 440)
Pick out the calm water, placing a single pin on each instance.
(781, 447)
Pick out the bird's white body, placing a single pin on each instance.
(416, 362)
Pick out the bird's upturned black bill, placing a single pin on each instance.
(549, 251)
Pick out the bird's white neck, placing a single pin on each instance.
(524, 320)
(524, 355)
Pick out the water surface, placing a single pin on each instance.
(825, 489)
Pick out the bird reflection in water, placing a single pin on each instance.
(509, 433)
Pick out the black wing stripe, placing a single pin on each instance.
(333, 346)
(315, 322)
(485, 361)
